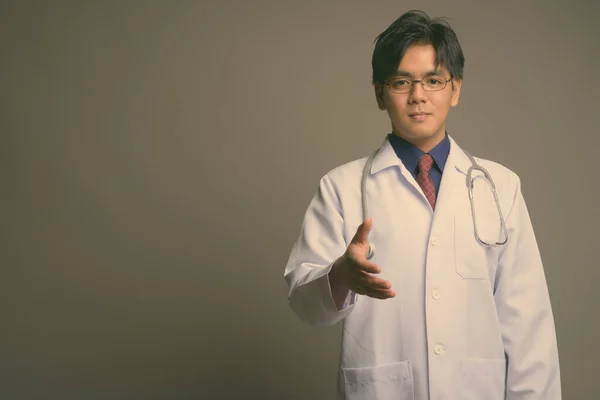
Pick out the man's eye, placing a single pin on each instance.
(401, 82)
(434, 80)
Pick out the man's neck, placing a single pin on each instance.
(424, 144)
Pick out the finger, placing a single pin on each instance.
(362, 232)
(364, 289)
(356, 285)
(379, 294)
(370, 281)
(368, 267)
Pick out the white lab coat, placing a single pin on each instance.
(468, 322)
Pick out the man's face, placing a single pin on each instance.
(427, 129)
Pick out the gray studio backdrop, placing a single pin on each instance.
(157, 157)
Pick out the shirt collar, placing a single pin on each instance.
(409, 154)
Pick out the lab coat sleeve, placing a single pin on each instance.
(319, 244)
(525, 312)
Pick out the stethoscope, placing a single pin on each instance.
(474, 167)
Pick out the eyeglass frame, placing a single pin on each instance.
(413, 81)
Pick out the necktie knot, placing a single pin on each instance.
(425, 162)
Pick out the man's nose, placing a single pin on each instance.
(418, 93)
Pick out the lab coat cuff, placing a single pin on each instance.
(350, 297)
(313, 300)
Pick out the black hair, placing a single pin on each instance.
(416, 27)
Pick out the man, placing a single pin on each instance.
(454, 303)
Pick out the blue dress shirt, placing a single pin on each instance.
(409, 154)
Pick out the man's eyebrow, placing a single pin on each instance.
(428, 73)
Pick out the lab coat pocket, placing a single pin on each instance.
(472, 259)
(483, 379)
(383, 382)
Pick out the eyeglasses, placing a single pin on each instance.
(431, 83)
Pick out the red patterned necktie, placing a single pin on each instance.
(424, 180)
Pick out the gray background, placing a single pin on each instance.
(156, 159)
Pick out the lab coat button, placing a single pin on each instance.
(433, 241)
(439, 349)
(436, 294)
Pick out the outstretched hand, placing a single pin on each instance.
(357, 273)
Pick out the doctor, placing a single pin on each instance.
(435, 314)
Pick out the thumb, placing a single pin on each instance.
(362, 233)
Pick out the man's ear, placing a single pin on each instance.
(379, 96)
(456, 85)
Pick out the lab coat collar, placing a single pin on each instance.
(386, 157)
(458, 157)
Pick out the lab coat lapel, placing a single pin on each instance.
(386, 157)
(454, 174)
